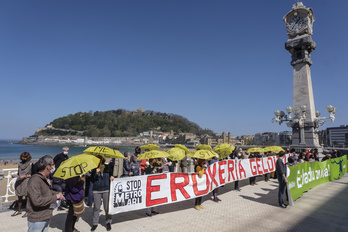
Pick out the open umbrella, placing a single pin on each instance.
(223, 146)
(224, 150)
(149, 147)
(203, 147)
(182, 147)
(176, 153)
(255, 149)
(153, 154)
(76, 166)
(275, 149)
(203, 154)
(104, 152)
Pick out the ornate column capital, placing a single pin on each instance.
(300, 49)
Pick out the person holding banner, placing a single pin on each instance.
(281, 175)
(237, 154)
(215, 191)
(151, 168)
(101, 177)
(200, 168)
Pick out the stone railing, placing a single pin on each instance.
(7, 180)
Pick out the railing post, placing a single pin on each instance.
(10, 183)
(2, 173)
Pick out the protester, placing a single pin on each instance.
(164, 164)
(327, 157)
(171, 165)
(134, 156)
(151, 168)
(215, 191)
(143, 166)
(200, 168)
(126, 165)
(159, 165)
(334, 154)
(301, 158)
(291, 162)
(40, 196)
(267, 174)
(183, 164)
(101, 177)
(281, 175)
(252, 180)
(117, 166)
(74, 192)
(57, 183)
(237, 154)
(24, 173)
(311, 158)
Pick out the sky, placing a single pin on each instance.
(221, 64)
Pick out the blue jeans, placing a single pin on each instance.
(38, 226)
(282, 186)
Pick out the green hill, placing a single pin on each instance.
(121, 123)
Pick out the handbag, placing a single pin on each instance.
(79, 207)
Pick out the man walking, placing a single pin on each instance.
(40, 197)
(281, 175)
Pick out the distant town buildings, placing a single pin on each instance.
(337, 136)
(273, 138)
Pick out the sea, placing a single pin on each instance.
(11, 150)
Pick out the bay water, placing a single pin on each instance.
(10, 150)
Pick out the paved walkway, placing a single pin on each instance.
(324, 208)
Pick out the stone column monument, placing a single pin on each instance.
(299, 25)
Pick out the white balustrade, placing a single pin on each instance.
(10, 182)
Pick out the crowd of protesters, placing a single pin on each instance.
(95, 185)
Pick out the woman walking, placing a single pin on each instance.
(24, 173)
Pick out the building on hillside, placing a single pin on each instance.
(138, 111)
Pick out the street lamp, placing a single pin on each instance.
(281, 117)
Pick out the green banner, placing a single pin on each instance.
(305, 176)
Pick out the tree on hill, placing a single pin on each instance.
(121, 123)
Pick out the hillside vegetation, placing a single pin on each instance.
(121, 123)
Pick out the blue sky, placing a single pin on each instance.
(221, 64)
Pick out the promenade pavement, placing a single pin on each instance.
(254, 208)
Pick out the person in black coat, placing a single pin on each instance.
(281, 175)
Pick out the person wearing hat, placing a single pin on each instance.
(215, 191)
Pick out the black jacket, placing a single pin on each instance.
(58, 159)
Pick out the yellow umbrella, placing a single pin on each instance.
(203, 147)
(255, 149)
(182, 147)
(176, 153)
(104, 152)
(76, 166)
(152, 154)
(149, 147)
(275, 149)
(203, 154)
(223, 152)
(224, 145)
